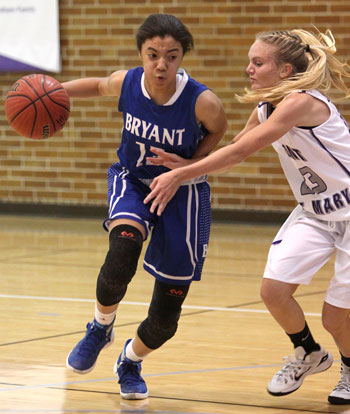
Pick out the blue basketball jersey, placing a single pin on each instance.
(179, 237)
(172, 126)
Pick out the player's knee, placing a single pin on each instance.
(163, 315)
(125, 245)
(335, 320)
(265, 292)
(274, 293)
(155, 331)
(328, 324)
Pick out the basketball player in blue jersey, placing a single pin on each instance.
(164, 108)
(291, 72)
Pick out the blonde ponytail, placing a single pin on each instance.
(313, 62)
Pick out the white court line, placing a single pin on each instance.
(209, 308)
(192, 371)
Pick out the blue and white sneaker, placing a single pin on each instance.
(82, 358)
(132, 385)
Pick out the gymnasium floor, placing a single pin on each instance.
(225, 351)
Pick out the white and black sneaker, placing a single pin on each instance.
(298, 367)
(341, 393)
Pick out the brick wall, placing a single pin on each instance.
(97, 37)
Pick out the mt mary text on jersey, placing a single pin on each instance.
(333, 203)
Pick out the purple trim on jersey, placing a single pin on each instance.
(307, 127)
(277, 242)
(330, 154)
(270, 108)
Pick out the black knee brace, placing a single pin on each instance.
(125, 245)
(163, 314)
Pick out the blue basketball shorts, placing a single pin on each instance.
(178, 238)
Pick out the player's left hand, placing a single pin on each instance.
(167, 159)
(163, 189)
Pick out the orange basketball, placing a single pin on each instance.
(37, 106)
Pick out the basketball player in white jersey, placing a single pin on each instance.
(291, 74)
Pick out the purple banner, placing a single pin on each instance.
(10, 65)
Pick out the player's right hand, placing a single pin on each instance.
(163, 189)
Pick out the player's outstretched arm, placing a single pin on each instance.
(92, 87)
(288, 114)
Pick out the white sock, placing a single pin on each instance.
(104, 318)
(130, 354)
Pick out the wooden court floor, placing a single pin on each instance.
(225, 351)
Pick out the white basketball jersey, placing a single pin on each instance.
(316, 162)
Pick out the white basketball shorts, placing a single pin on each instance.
(303, 245)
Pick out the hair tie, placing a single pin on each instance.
(307, 48)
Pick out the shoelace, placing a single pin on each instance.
(92, 340)
(129, 373)
(344, 383)
(293, 365)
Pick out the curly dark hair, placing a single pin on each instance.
(162, 25)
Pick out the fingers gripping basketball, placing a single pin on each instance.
(37, 106)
